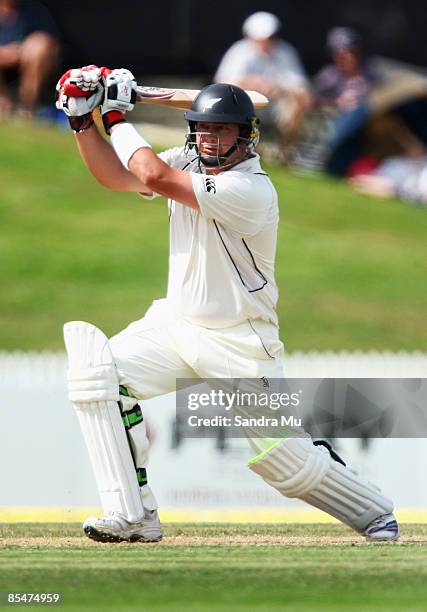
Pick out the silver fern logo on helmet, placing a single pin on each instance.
(210, 103)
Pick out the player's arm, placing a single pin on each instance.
(80, 91)
(134, 152)
(229, 200)
(149, 169)
(147, 173)
(238, 202)
(102, 161)
(115, 92)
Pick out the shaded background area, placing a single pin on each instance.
(189, 37)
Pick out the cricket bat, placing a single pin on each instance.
(183, 98)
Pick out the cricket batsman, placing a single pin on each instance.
(218, 319)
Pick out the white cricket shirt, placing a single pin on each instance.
(221, 258)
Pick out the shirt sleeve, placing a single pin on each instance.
(240, 202)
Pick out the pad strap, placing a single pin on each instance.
(132, 417)
(141, 474)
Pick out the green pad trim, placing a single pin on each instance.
(124, 391)
(264, 452)
(141, 474)
(132, 417)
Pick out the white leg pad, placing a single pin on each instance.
(298, 468)
(94, 391)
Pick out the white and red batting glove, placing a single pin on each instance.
(84, 79)
(118, 88)
(120, 97)
(80, 91)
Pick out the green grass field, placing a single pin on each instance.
(351, 269)
(213, 567)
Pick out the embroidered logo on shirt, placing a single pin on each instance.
(265, 382)
(210, 185)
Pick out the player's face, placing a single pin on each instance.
(215, 138)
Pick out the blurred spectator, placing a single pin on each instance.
(28, 52)
(266, 63)
(342, 86)
(341, 90)
(393, 161)
(401, 177)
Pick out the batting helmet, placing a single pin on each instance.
(224, 103)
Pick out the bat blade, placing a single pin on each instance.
(183, 98)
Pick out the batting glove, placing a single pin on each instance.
(80, 91)
(81, 82)
(86, 79)
(120, 97)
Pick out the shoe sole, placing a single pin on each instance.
(393, 539)
(381, 541)
(99, 536)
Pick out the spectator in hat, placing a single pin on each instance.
(28, 52)
(340, 91)
(266, 63)
(342, 85)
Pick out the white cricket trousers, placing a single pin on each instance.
(151, 353)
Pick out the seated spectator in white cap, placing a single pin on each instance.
(266, 63)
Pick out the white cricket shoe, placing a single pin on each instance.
(116, 528)
(383, 529)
